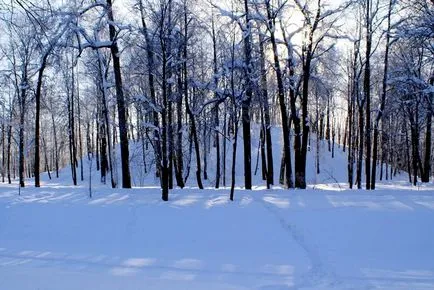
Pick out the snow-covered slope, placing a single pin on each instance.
(333, 170)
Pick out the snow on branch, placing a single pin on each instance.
(96, 44)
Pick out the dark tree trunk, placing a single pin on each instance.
(97, 141)
(37, 117)
(170, 149)
(103, 151)
(321, 126)
(367, 93)
(333, 137)
(262, 151)
(123, 128)
(245, 105)
(190, 153)
(217, 145)
(80, 140)
(89, 142)
(196, 143)
(234, 158)
(105, 122)
(194, 128)
(407, 151)
(224, 146)
(266, 110)
(300, 168)
(9, 152)
(345, 140)
(71, 135)
(179, 162)
(22, 104)
(427, 160)
(142, 133)
(233, 123)
(205, 152)
(317, 153)
(216, 108)
(307, 55)
(383, 99)
(355, 136)
(350, 134)
(47, 167)
(360, 148)
(383, 149)
(56, 147)
(281, 97)
(3, 146)
(151, 80)
(327, 133)
(415, 151)
(165, 161)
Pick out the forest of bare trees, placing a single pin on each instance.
(172, 88)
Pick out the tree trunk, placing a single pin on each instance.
(89, 142)
(216, 108)
(427, 161)
(407, 143)
(333, 137)
(71, 134)
(281, 97)
(170, 149)
(22, 103)
(151, 80)
(179, 162)
(9, 152)
(415, 151)
(217, 143)
(123, 128)
(3, 146)
(103, 151)
(56, 147)
(234, 158)
(165, 161)
(300, 168)
(266, 110)
(205, 152)
(327, 133)
(80, 140)
(196, 143)
(37, 117)
(47, 168)
(361, 147)
(262, 151)
(224, 146)
(105, 114)
(97, 141)
(383, 149)
(383, 99)
(350, 136)
(344, 143)
(245, 105)
(367, 93)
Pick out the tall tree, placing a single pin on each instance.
(123, 128)
(271, 15)
(383, 97)
(245, 105)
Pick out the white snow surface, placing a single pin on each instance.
(325, 237)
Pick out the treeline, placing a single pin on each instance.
(183, 80)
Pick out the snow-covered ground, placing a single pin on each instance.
(325, 237)
(58, 238)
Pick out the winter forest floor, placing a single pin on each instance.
(325, 237)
